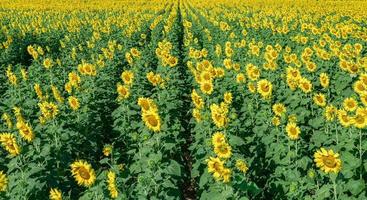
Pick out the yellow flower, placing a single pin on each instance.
(223, 150)
(242, 166)
(344, 119)
(330, 112)
(57, 94)
(324, 80)
(3, 181)
(152, 120)
(107, 150)
(49, 110)
(25, 130)
(147, 104)
(305, 85)
(48, 63)
(111, 182)
(9, 143)
(73, 103)
(349, 104)
(206, 87)
(252, 87)
(83, 173)
(293, 131)
(127, 77)
(38, 90)
(226, 174)
(279, 109)
(276, 121)
(74, 79)
(360, 119)
(319, 99)
(123, 92)
(172, 61)
(228, 97)
(135, 52)
(55, 194)
(197, 115)
(197, 100)
(215, 166)
(327, 160)
(240, 78)
(7, 120)
(264, 87)
(218, 138)
(219, 114)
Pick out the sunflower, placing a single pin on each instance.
(56, 94)
(360, 88)
(324, 80)
(197, 100)
(319, 99)
(242, 166)
(3, 181)
(275, 121)
(25, 130)
(123, 92)
(147, 104)
(107, 150)
(47, 63)
(152, 120)
(49, 110)
(350, 104)
(38, 90)
(264, 87)
(127, 77)
(111, 183)
(223, 150)
(293, 131)
(196, 114)
(74, 79)
(83, 173)
(327, 160)
(228, 97)
(55, 194)
(206, 87)
(7, 120)
(9, 143)
(330, 112)
(240, 78)
(360, 120)
(219, 114)
(73, 103)
(279, 109)
(293, 73)
(251, 87)
(215, 166)
(344, 119)
(226, 175)
(172, 61)
(218, 138)
(305, 85)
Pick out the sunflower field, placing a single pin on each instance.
(183, 99)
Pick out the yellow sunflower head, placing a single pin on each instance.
(293, 131)
(327, 160)
(83, 173)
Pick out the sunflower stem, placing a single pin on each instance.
(335, 192)
(360, 154)
(336, 134)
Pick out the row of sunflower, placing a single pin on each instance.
(61, 74)
(301, 97)
(149, 119)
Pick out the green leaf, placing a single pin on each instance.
(355, 186)
(174, 168)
